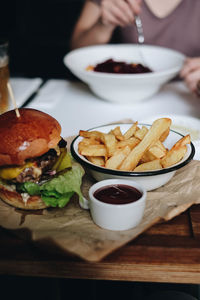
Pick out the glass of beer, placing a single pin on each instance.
(4, 77)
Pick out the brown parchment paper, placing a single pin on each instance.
(71, 229)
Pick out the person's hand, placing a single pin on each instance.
(119, 12)
(191, 73)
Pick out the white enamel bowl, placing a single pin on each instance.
(125, 88)
(149, 179)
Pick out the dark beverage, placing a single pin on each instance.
(4, 77)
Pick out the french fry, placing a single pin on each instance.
(176, 153)
(89, 141)
(118, 134)
(173, 157)
(182, 142)
(154, 152)
(149, 166)
(93, 150)
(91, 134)
(131, 142)
(110, 143)
(97, 160)
(131, 131)
(158, 127)
(140, 134)
(161, 146)
(158, 150)
(164, 135)
(146, 157)
(115, 161)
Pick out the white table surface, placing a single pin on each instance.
(23, 88)
(75, 107)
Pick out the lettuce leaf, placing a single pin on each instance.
(29, 187)
(58, 191)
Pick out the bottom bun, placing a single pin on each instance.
(15, 199)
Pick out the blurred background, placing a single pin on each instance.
(38, 34)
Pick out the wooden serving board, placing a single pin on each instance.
(71, 229)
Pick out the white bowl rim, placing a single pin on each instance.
(90, 165)
(123, 76)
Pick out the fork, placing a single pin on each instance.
(140, 32)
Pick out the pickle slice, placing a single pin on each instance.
(63, 161)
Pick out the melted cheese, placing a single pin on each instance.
(9, 173)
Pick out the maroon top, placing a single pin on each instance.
(179, 30)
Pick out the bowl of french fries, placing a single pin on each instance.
(147, 153)
(119, 87)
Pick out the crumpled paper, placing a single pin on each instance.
(71, 229)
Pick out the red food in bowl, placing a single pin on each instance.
(119, 67)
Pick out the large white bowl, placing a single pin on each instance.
(125, 88)
(149, 179)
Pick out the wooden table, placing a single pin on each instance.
(167, 252)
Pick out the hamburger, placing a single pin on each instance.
(36, 171)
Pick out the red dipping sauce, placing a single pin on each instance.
(117, 194)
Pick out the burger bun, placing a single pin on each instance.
(15, 199)
(28, 136)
